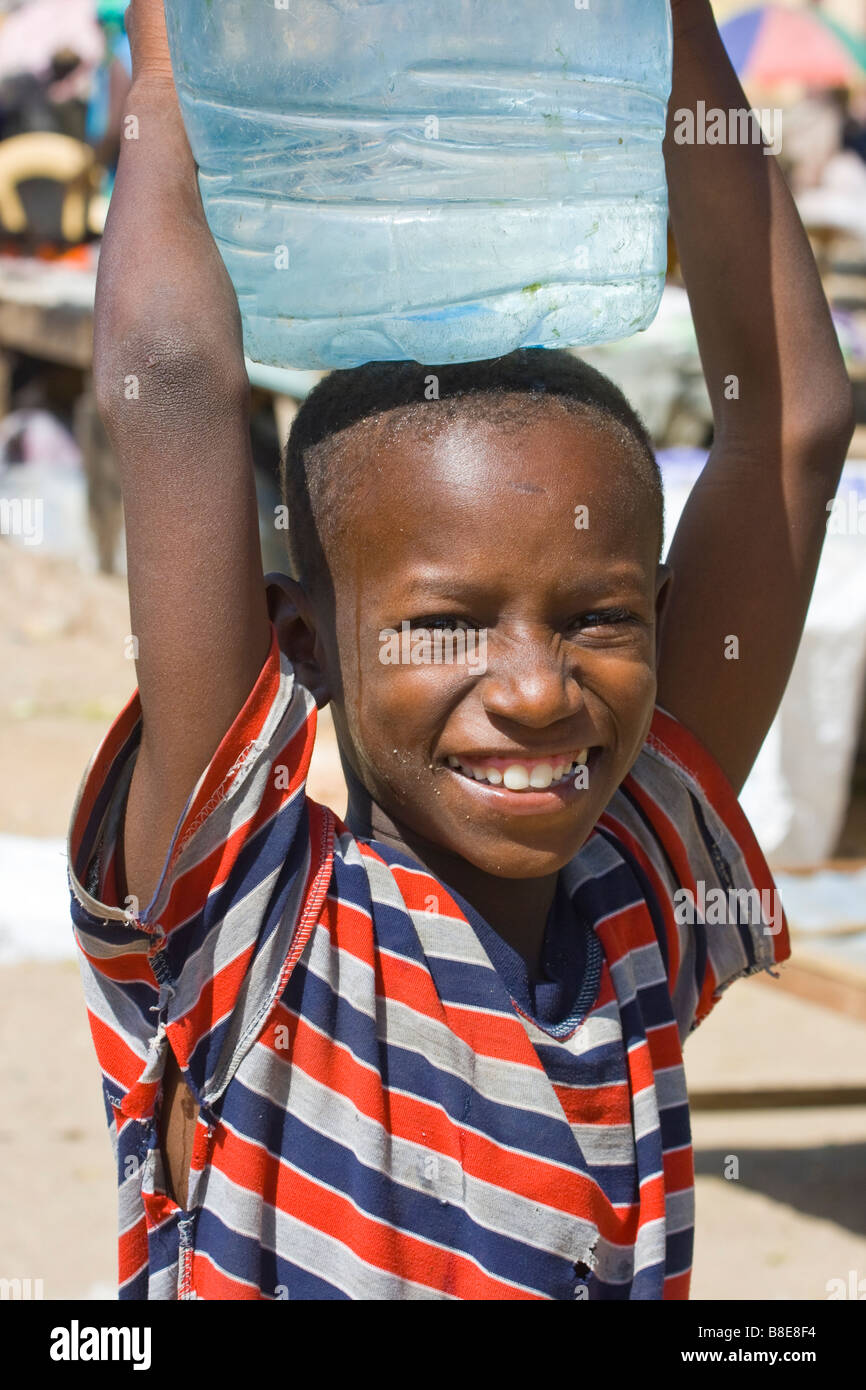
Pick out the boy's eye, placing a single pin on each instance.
(446, 623)
(604, 618)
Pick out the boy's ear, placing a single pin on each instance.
(664, 585)
(291, 613)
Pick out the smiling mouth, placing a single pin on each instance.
(521, 774)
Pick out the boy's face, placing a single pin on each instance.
(541, 545)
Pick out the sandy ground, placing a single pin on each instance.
(792, 1219)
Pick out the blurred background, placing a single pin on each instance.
(778, 1073)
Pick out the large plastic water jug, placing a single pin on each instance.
(391, 179)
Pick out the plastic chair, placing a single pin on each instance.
(46, 155)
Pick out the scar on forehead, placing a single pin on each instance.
(527, 487)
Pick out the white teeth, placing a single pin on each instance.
(518, 777)
(541, 776)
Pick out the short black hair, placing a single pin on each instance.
(316, 468)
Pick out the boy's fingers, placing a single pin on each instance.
(148, 40)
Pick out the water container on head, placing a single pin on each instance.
(391, 179)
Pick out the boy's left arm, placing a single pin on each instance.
(746, 550)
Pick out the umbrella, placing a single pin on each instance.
(771, 45)
(31, 36)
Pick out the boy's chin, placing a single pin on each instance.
(515, 859)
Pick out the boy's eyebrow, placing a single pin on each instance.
(446, 585)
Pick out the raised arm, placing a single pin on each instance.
(747, 547)
(173, 393)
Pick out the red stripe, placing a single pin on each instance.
(158, 1208)
(626, 931)
(350, 930)
(132, 1254)
(664, 1045)
(489, 1034)
(132, 968)
(246, 727)
(597, 1105)
(652, 1201)
(212, 1283)
(218, 995)
(640, 1067)
(190, 889)
(417, 887)
(140, 1101)
(377, 1243)
(661, 889)
(679, 1167)
(674, 739)
(677, 1286)
(116, 1059)
(216, 999)
(418, 1121)
(678, 853)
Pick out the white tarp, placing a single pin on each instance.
(34, 906)
(797, 795)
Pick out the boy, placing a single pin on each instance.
(435, 1052)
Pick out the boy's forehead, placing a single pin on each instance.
(554, 468)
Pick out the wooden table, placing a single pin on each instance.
(46, 312)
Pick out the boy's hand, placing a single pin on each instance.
(148, 40)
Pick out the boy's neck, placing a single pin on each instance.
(517, 909)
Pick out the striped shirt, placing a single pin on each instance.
(383, 1113)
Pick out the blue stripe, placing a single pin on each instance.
(604, 1065)
(675, 1126)
(105, 792)
(548, 1137)
(250, 1258)
(382, 1197)
(279, 847)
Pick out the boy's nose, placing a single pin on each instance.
(532, 682)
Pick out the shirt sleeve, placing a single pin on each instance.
(716, 910)
(243, 881)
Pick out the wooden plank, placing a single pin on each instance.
(831, 983)
(837, 985)
(847, 289)
(830, 866)
(778, 1098)
(61, 334)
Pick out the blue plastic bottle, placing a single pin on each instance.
(441, 180)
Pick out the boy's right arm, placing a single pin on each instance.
(173, 393)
